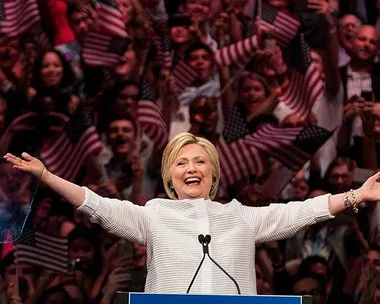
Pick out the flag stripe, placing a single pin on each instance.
(42, 250)
(19, 16)
(111, 19)
(66, 158)
(149, 117)
(183, 76)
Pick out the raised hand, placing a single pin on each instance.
(27, 163)
(370, 190)
(320, 6)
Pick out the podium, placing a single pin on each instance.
(150, 298)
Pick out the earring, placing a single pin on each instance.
(171, 186)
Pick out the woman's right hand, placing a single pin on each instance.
(27, 164)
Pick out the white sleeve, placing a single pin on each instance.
(122, 218)
(281, 111)
(279, 221)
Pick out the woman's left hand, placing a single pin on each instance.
(370, 190)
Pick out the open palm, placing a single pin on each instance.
(370, 190)
(27, 163)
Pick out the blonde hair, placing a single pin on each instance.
(171, 152)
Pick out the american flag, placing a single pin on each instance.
(17, 16)
(163, 44)
(109, 17)
(237, 159)
(291, 146)
(66, 155)
(149, 116)
(279, 23)
(42, 250)
(238, 53)
(183, 76)
(104, 50)
(305, 84)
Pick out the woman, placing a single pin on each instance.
(255, 99)
(170, 227)
(54, 78)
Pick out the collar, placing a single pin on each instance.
(352, 74)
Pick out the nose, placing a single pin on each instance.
(200, 62)
(119, 133)
(191, 168)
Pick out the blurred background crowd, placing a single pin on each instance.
(288, 91)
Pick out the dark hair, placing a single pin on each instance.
(179, 20)
(374, 247)
(314, 259)
(337, 162)
(72, 7)
(108, 101)
(301, 275)
(57, 289)
(123, 116)
(92, 236)
(68, 78)
(110, 94)
(195, 46)
(341, 161)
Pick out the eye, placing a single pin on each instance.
(200, 161)
(181, 163)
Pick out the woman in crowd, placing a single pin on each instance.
(170, 227)
(54, 77)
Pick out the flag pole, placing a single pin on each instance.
(258, 17)
(16, 289)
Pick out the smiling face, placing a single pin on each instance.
(200, 61)
(127, 63)
(51, 70)
(121, 136)
(180, 34)
(364, 44)
(191, 173)
(82, 249)
(252, 93)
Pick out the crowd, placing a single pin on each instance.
(97, 88)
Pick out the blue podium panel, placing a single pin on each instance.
(148, 298)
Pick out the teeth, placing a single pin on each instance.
(192, 179)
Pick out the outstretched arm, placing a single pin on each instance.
(121, 218)
(71, 192)
(279, 221)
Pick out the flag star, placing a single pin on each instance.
(269, 12)
(119, 45)
(109, 2)
(2, 11)
(235, 127)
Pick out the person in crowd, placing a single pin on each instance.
(304, 283)
(54, 78)
(347, 27)
(190, 174)
(195, 66)
(26, 272)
